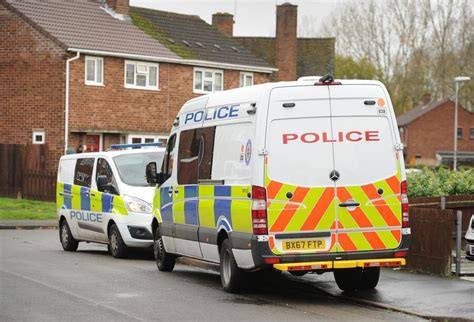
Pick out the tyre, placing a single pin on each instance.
(369, 279)
(164, 261)
(298, 273)
(348, 279)
(117, 248)
(232, 277)
(67, 241)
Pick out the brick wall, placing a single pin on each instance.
(434, 131)
(32, 69)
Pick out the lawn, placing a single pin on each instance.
(26, 209)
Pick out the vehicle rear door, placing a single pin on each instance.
(300, 194)
(367, 169)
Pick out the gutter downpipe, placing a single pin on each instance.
(66, 116)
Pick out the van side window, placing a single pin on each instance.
(83, 172)
(167, 165)
(206, 151)
(188, 157)
(104, 169)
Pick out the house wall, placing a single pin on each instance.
(434, 131)
(32, 68)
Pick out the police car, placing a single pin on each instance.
(305, 177)
(104, 197)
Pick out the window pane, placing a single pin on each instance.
(198, 80)
(149, 140)
(207, 86)
(459, 133)
(248, 80)
(83, 172)
(152, 74)
(188, 157)
(141, 80)
(241, 80)
(136, 140)
(218, 80)
(141, 68)
(207, 75)
(472, 133)
(130, 74)
(90, 69)
(104, 169)
(167, 166)
(206, 151)
(98, 71)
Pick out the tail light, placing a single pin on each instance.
(404, 200)
(259, 211)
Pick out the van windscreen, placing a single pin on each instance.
(131, 167)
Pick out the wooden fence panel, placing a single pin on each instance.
(431, 241)
(39, 185)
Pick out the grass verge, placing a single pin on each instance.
(23, 209)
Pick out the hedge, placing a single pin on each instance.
(440, 182)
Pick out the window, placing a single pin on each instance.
(94, 72)
(104, 169)
(459, 133)
(143, 138)
(132, 166)
(471, 133)
(196, 148)
(246, 79)
(167, 165)
(208, 80)
(141, 75)
(39, 137)
(83, 172)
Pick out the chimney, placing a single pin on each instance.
(224, 22)
(426, 99)
(285, 44)
(119, 6)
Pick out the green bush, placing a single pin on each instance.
(440, 182)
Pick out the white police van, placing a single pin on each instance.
(104, 197)
(305, 177)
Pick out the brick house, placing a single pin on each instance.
(427, 132)
(100, 72)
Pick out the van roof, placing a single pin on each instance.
(253, 93)
(112, 153)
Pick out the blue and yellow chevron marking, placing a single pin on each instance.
(205, 205)
(79, 198)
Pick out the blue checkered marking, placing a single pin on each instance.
(190, 205)
(67, 199)
(166, 204)
(85, 199)
(222, 207)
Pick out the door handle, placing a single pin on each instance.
(349, 204)
(93, 194)
(170, 192)
(176, 191)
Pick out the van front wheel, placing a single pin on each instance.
(348, 279)
(231, 274)
(65, 236)
(164, 261)
(117, 248)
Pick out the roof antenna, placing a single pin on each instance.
(328, 78)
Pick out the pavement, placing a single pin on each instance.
(28, 256)
(40, 281)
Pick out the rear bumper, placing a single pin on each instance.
(262, 253)
(327, 265)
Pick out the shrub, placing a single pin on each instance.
(440, 182)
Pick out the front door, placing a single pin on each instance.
(300, 192)
(93, 143)
(367, 167)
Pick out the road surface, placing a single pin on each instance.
(39, 281)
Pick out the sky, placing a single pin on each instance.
(252, 17)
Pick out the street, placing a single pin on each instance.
(39, 281)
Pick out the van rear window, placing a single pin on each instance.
(83, 172)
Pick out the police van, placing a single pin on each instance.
(104, 197)
(305, 176)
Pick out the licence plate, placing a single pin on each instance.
(304, 244)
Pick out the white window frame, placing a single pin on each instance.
(243, 76)
(156, 138)
(94, 82)
(214, 72)
(142, 64)
(39, 132)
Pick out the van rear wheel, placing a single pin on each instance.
(369, 279)
(65, 236)
(231, 275)
(118, 249)
(348, 279)
(164, 261)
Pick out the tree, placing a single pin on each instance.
(348, 68)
